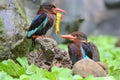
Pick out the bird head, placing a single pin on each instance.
(49, 8)
(76, 37)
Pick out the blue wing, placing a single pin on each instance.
(84, 54)
(38, 23)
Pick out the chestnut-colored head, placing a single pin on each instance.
(76, 36)
(49, 8)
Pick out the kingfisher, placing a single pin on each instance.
(79, 48)
(43, 21)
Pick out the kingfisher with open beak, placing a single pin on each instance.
(80, 48)
(43, 21)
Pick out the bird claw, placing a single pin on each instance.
(36, 36)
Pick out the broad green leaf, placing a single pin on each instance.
(5, 76)
(12, 68)
(62, 73)
(77, 77)
(23, 62)
(24, 77)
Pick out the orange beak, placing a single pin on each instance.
(72, 38)
(68, 36)
(59, 10)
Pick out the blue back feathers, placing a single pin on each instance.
(84, 54)
(35, 18)
(43, 24)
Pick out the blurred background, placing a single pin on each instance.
(101, 17)
(93, 17)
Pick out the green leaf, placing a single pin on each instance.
(63, 46)
(62, 73)
(23, 62)
(5, 76)
(116, 74)
(24, 77)
(77, 77)
(12, 68)
(33, 69)
(35, 73)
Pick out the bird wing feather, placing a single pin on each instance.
(88, 50)
(38, 23)
(72, 49)
(84, 51)
(91, 51)
(94, 51)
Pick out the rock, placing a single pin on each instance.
(117, 44)
(48, 54)
(20, 48)
(12, 33)
(47, 45)
(85, 68)
(61, 59)
(2, 4)
(104, 66)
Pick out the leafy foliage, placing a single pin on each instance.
(35, 73)
(109, 54)
(12, 68)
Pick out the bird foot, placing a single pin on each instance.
(36, 36)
